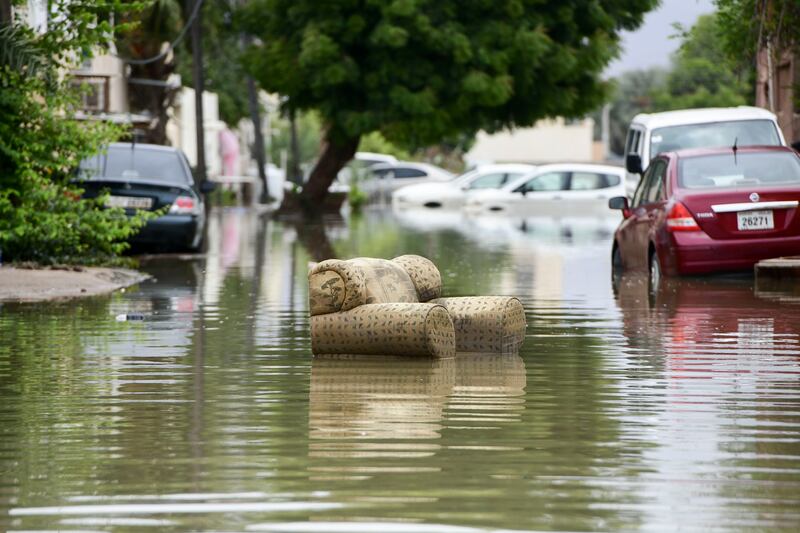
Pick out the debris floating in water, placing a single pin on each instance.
(125, 317)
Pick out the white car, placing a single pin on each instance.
(554, 191)
(369, 159)
(383, 178)
(653, 133)
(452, 194)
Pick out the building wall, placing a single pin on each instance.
(181, 128)
(548, 141)
(113, 69)
(775, 91)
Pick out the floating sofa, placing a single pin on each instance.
(394, 307)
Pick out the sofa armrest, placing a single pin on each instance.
(391, 329)
(335, 285)
(486, 323)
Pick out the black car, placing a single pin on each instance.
(148, 176)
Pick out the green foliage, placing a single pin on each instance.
(375, 142)
(419, 71)
(224, 73)
(747, 25)
(702, 75)
(48, 223)
(309, 137)
(632, 95)
(42, 217)
(356, 197)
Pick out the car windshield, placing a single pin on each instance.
(742, 170)
(125, 162)
(714, 134)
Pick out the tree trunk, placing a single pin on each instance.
(335, 155)
(5, 11)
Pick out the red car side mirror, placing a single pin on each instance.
(620, 203)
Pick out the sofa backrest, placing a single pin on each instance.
(335, 285)
(386, 282)
(424, 274)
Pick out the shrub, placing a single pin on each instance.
(42, 215)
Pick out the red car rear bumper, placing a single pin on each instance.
(694, 252)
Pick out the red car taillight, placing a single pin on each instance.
(680, 219)
(184, 205)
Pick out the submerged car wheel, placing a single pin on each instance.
(655, 272)
(616, 265)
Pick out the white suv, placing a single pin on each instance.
(653, 133)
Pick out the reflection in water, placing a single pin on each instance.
(355, 401)
(729, 360)
(624, 410)
(379, 397)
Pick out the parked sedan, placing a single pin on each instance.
(383, 178)
(710, 210)
(556, 191)
(146, 176)
(451, 194)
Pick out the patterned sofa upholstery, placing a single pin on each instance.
(395, 307)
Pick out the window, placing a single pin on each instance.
(400, 173)
(587, 181)
(642, 194)
(93, 91)
(136, 163)
(553, 181)
(381, 173)
(489, 181)
(633, 144)
(651, 186)
(746, 169)
(655, 192)
(714, 134)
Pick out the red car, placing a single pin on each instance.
(710, 210)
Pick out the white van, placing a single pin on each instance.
(653, 133)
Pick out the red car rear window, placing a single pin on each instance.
(726, 171)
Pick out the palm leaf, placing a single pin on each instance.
(20, 52)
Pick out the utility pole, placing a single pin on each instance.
(258, 149)
(294, 150)
(199, 83)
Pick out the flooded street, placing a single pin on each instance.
(204, 409)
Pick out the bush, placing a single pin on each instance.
(42, 215)
(49, 223)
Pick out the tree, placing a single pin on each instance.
(151, 65)
(422, 70)
(761, 35)
(632, 94)
(747, 26)
(702, 74)
(42, 217)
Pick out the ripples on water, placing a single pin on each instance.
(624, 410)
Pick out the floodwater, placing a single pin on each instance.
(206, 411)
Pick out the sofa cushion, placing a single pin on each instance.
(486, 323)
(424, 274)
(385, 282)
(390, 329)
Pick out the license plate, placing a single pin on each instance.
(755, 220)
(129, 202)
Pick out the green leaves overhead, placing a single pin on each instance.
(419, 70)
